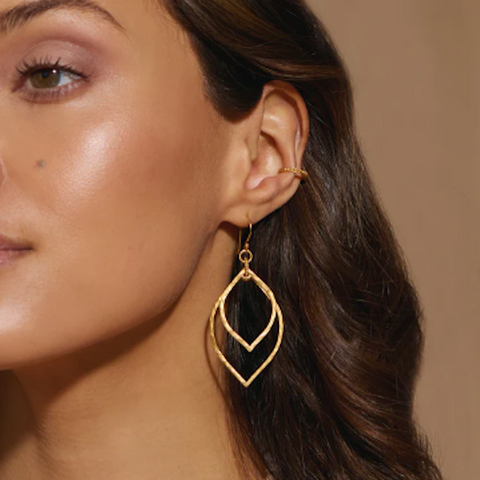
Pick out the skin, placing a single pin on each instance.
(130, 188)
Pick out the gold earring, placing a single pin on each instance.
(303, 174)
(247, 274)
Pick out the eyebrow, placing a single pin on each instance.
(25, 12)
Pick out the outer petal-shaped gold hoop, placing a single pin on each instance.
(247, 274)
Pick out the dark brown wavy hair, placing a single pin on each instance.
(337, 401)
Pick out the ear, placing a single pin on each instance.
(272, 136)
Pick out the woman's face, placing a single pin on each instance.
(109, 168)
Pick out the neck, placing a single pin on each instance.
(144, 405)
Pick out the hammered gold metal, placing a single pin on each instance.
(303, 174)
(242, 276)
(246, 275)
(276, 313)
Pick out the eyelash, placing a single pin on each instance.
(29, 68)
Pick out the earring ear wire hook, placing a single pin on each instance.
(247, 241)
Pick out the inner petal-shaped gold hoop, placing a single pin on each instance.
(247, 274)
(269, 294)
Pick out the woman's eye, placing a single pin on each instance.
(51, 78)
(43, 81)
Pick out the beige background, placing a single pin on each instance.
(415, 66)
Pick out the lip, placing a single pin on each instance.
(8, 257)
(11, 244)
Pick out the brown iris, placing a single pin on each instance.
(45, 78)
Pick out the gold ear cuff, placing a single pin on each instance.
(303, 174)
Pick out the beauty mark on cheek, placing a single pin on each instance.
(41, 164)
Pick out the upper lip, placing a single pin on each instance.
(7, 243)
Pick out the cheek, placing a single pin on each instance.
(114, 210)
